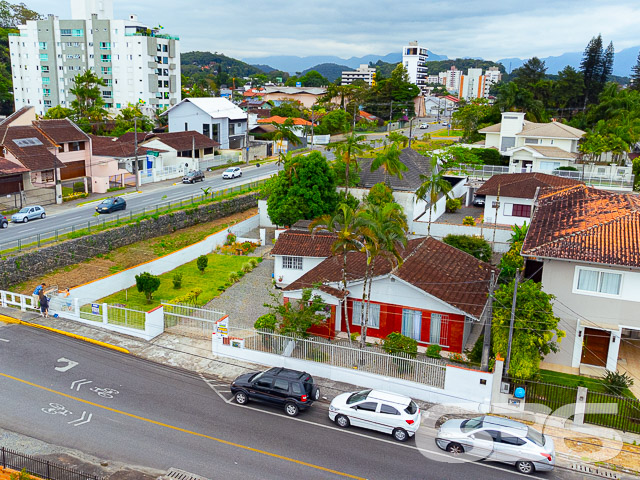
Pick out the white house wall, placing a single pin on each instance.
(186, 116)
(504, 211)
(286, 276)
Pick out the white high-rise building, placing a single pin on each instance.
(471, 84)
(491, 76)
(363, 72)
(414, 59)
(139, 64)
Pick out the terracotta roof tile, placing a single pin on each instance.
(298, 243)
(280, 120)
(586, 224)
(184, 140)
(522, 185)
(34, 157)
(61, 130)
(7, 167)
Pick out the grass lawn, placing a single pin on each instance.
(444, 133)
(215, 275)
(568, 380)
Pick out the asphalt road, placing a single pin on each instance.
(121, 408)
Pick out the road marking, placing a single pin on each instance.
(184, 430)
(81, 421)
(70, 364)
(75, 385)
(3, 340)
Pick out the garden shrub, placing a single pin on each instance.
(233, 277)
(177, 280)
(469, 221)
(267, 321)
(78, 187)
(472, 244)
(397, 343)
(247, 267)
(433, 351)
(254, 262)
(453, 204)
(202, 263)
(615, 382)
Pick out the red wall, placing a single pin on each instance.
(327, 329)
(391, 321)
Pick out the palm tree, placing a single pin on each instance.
(433, 185)
(284, 131)
(348, 150)
(390, 162)
(388, 231)
(349, 226)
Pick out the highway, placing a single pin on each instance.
(118, 407)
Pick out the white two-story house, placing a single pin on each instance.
(583, 244)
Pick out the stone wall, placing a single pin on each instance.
(34, 263)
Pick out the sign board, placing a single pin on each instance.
(514, 401)
(152, 153)
(95, 308)
(298, 84)
(505, 387)
(495, 204)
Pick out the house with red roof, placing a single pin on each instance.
(437, 296)
(583, 244)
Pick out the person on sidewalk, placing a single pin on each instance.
(44, 304)
(39, 288)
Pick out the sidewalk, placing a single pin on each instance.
(588, 450)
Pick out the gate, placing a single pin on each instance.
(40, 196)
(190, 321)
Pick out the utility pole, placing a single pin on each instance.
(390, 116)
(410, 130)
(495, 220)
(513, 317)
(135, 165)
(486, 344)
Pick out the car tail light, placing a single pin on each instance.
(303, 398)
(546, 455)
(410, 422)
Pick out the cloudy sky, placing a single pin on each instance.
(489, 29)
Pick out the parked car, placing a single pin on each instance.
(478, 201)
(377, 410)
(446, 124)
(111, 204)
(4, 223)
(424, 125)
(499, 439)
(28, 213)
(193, 176)
(292, 389)
(232, 172)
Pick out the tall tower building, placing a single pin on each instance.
(138, 63)
(414, 59)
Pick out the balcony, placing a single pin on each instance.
(151, 34)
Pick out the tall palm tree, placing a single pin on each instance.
(350, 226)
(387, 232)
(390, 162)
(433, 185)
(349, 150)
(284, 131)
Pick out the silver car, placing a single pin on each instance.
(28, 213)
(500, 440)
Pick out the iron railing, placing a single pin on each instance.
(623, 412)
(190, 320)
(42, 468)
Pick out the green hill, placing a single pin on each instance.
(330, 71)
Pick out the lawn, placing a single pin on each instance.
(445, 133)
(568, 380)
(215, 275)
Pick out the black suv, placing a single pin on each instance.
(4, 223)
(292, 389)
(193, 176)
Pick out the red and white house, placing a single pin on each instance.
(436, 296)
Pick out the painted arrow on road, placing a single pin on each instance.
(70, 364)
(81, 421)
(78, 383)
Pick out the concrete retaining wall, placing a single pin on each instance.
(24, 266)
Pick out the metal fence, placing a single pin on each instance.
(41, 468)
(624, 413)
(219, 160)
(548, 395)
(371, 359)
(101, 223)
(116, 315)
(190, 320)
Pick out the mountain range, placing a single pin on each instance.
(624, 61)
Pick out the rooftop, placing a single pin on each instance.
(416, 165)
(522, 185)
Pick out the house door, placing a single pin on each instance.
(527, 165)
(595, 347)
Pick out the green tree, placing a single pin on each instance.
(125, 121)
(147, 284)
(379, 195)
(530, 73)
(88, 105)
(389, 161)
(635, 75)
(295, 317)
(568, 89)
(306, 192)
(58, 112)
(12, 15)
(472, 244)
(433, 185)
(596, 66)
(313, 79)
(535, 326)
(348, 150)
(336, 121)
(470, 116)
(202, 263)
(288, 108)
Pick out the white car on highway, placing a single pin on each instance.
(424, 125)
(232, 172)
(377, 410)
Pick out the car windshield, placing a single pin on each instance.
(358, 396)
(107, 201)
(535, 436)
(229, 170)
(412, 408)
(23, 210)
(471, 424)
(256, 376)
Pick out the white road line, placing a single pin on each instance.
(226, 400)
(3, 340)
(75, 385)
(70, 364)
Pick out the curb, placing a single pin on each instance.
(7, 319)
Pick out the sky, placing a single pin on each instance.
(346, 28)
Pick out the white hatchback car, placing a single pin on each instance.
(232, 172)
(377, 410)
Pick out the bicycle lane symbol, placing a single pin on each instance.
(58, 409)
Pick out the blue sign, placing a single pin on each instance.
(95, 308)
(519, 392)
(298, 84)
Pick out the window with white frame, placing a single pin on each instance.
(438, 329)
(598, 281)
(292, 263)
(531, 141)
(374, 314)
(412, 323)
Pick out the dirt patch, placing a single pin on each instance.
(131, 255)
(584, 444)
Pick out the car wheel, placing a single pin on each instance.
(43, 215)
(25, 219)
(525, 467)
(316, 394)
(242, 398)
(455, 448)
(240, 174)
(400, 434)
(5, 225)
(342, 421)
(291, 409)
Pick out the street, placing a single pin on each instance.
(122, 408)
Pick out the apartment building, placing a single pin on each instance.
(139, 64)
(363, 72)
(414, 59)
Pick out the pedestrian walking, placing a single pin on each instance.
(39, 288)
(44, 304)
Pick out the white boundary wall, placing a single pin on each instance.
(103, 287)
(441, 230)
(462, 386)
